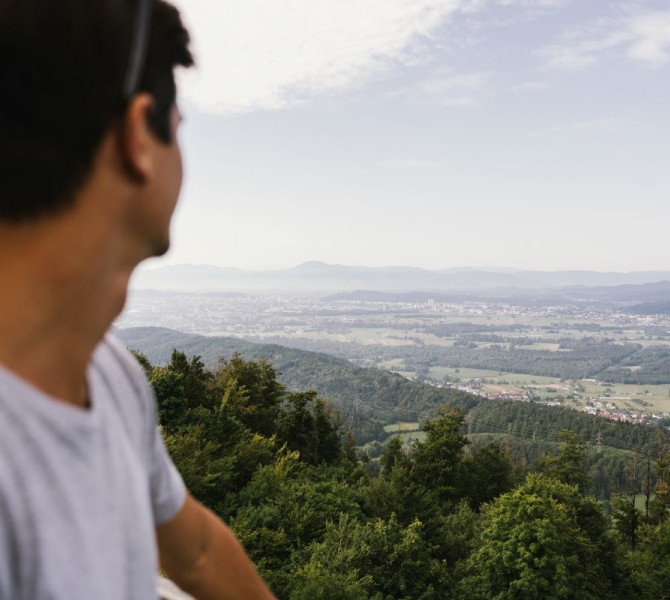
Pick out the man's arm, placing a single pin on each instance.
(200, 553)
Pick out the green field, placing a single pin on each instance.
(543, 346)
(628, 396)
(402, 426)
(645, 398)
(495, 377)
(462, 374)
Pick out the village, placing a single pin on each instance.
(600, 407)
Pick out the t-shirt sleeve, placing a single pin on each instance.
(166, 487)
(7, 552)
(11, 527)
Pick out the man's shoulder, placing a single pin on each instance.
(119, 367)
(125, 383)
(111, 353)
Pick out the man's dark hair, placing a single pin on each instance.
(62, 69)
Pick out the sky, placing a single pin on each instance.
(531, 134)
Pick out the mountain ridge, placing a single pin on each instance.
(319, 277)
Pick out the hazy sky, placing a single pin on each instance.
(433, 133)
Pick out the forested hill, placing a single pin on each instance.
(531, 421)
(376, 392)
(371, 398)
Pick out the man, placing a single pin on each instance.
(90, 171)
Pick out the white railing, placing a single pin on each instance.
(169, 591)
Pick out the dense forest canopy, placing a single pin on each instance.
(442, 518)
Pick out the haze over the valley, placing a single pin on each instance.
(317, 277)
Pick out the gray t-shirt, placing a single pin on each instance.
(81, 491)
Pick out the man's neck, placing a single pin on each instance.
(64, 282)
(50, 329)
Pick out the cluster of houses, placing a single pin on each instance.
(474, 387)
(608, 410)
(596, 407)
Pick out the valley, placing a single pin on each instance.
(591, 352)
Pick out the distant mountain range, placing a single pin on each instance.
(654, 295)
(317, 277)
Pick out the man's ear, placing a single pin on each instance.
(137, 140)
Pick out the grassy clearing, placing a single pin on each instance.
(391, 364)
(402, 426)
(434, 340)
(414, 435)
(496, 377)
(544, 346)
(381, 336)
(462, 374)
(405, 374)
(525, 379)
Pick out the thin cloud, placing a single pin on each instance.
(578, 55)
(416, 164)
(535, 3)
(443, 88)
(536, 85)
(535, 8)
(270, 54)
(522, 11)
(589, 128)
(644, 37)
(651, 38)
